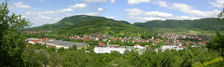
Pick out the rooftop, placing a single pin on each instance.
(66, 43)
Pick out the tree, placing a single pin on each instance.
(221, 15)
(217, 43)
(12, 41)
(35, 57)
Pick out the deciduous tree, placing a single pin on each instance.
(12, 41)
(217, 43)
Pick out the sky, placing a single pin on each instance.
(40, 12)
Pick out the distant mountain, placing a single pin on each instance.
(83, 24)
(205, 24)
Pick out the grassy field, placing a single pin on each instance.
(210, 63)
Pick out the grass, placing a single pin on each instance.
(215, 60)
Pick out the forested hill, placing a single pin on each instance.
(72, 20)
(83, 24)
(199, 24)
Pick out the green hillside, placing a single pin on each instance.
(82, 24)
(206, 24)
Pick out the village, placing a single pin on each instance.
(108, 43)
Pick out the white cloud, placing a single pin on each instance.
(138, 12)
(112, 1)
(95, 1)
(57, 19)
(100, 9)
(140, 15)
(76, 6)
(190, 10)
(218, 3)
(40, 12)
(20, 5)
(186, 18)
(66, 10)
(39, 20)
(91, 14)
(161, 3)
(158, 14)
(79, 5)
(69, 9)
(143, 19)
(44, 17)
(134, 11)
(112, 17)
(152, 18)
(138, 1)
(185, 8)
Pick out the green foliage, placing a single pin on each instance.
(205, 24)
(217, 43)
(80, 58)
(82, 24)
(12, 41)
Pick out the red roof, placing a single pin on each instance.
(45, 39)
(85, 38)
(137, 45)
(200, 43)
(101, 44)
(182, 47)
(36, 41)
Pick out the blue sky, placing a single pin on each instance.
(41, 12)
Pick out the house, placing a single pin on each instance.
(101, 44)
(33, 40)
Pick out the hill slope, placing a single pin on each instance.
(206, 24)
(82, 24)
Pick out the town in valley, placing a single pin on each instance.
(108, 43)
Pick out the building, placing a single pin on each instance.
(109, 49)
(33, 40)
(101, 44)
(121, 49)
(171, 47)
(139, 46)
(56, 43)
(66, 44)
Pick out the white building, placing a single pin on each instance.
(138, 47)
(110, 49)
(171, 47)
